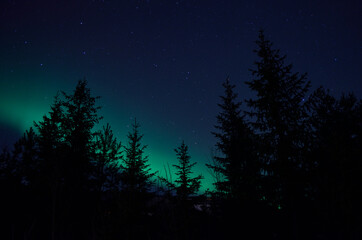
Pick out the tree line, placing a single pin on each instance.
(288, 166)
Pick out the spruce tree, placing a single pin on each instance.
(66, 142)
(228, 122)
(80, 118)
(136, 182)
(186, 185)
(236, 163)
(136, 172)
(278, 116)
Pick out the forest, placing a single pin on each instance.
(288, 167)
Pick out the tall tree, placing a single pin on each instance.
(67, 142)
(81, 116)
(236, 163)
(278, 116)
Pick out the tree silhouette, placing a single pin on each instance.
(19, 177)
(137, 180)
(289, 162)
(228, 124)
(66, 143)
(336, 154)
(278, 116)
(186, 185)
(237, 164)
(107, 160)
(136, 175)
(80, 118)
(52, 153)
(26, 156)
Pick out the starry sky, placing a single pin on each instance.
(163, 62)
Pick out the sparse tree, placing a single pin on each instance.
(186, 185)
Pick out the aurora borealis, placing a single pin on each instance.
(163, 62)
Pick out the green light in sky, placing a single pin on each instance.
(24, 101)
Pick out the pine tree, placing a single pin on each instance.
(278, 116)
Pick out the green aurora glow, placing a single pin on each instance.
(28, 99)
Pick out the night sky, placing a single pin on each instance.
(164, 61)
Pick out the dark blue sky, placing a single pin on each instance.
(163, 62)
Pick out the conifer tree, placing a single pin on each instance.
(106, 162)
(26, 155)
(136, 182)
(107, 159)
(51, 142)
(278, 116)
(228, 122)
(335, 156)
(52, 154)
(236, 163)
(27, 196)
(80, 115)
(186, 185)
(136, 173)
(66, 142)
